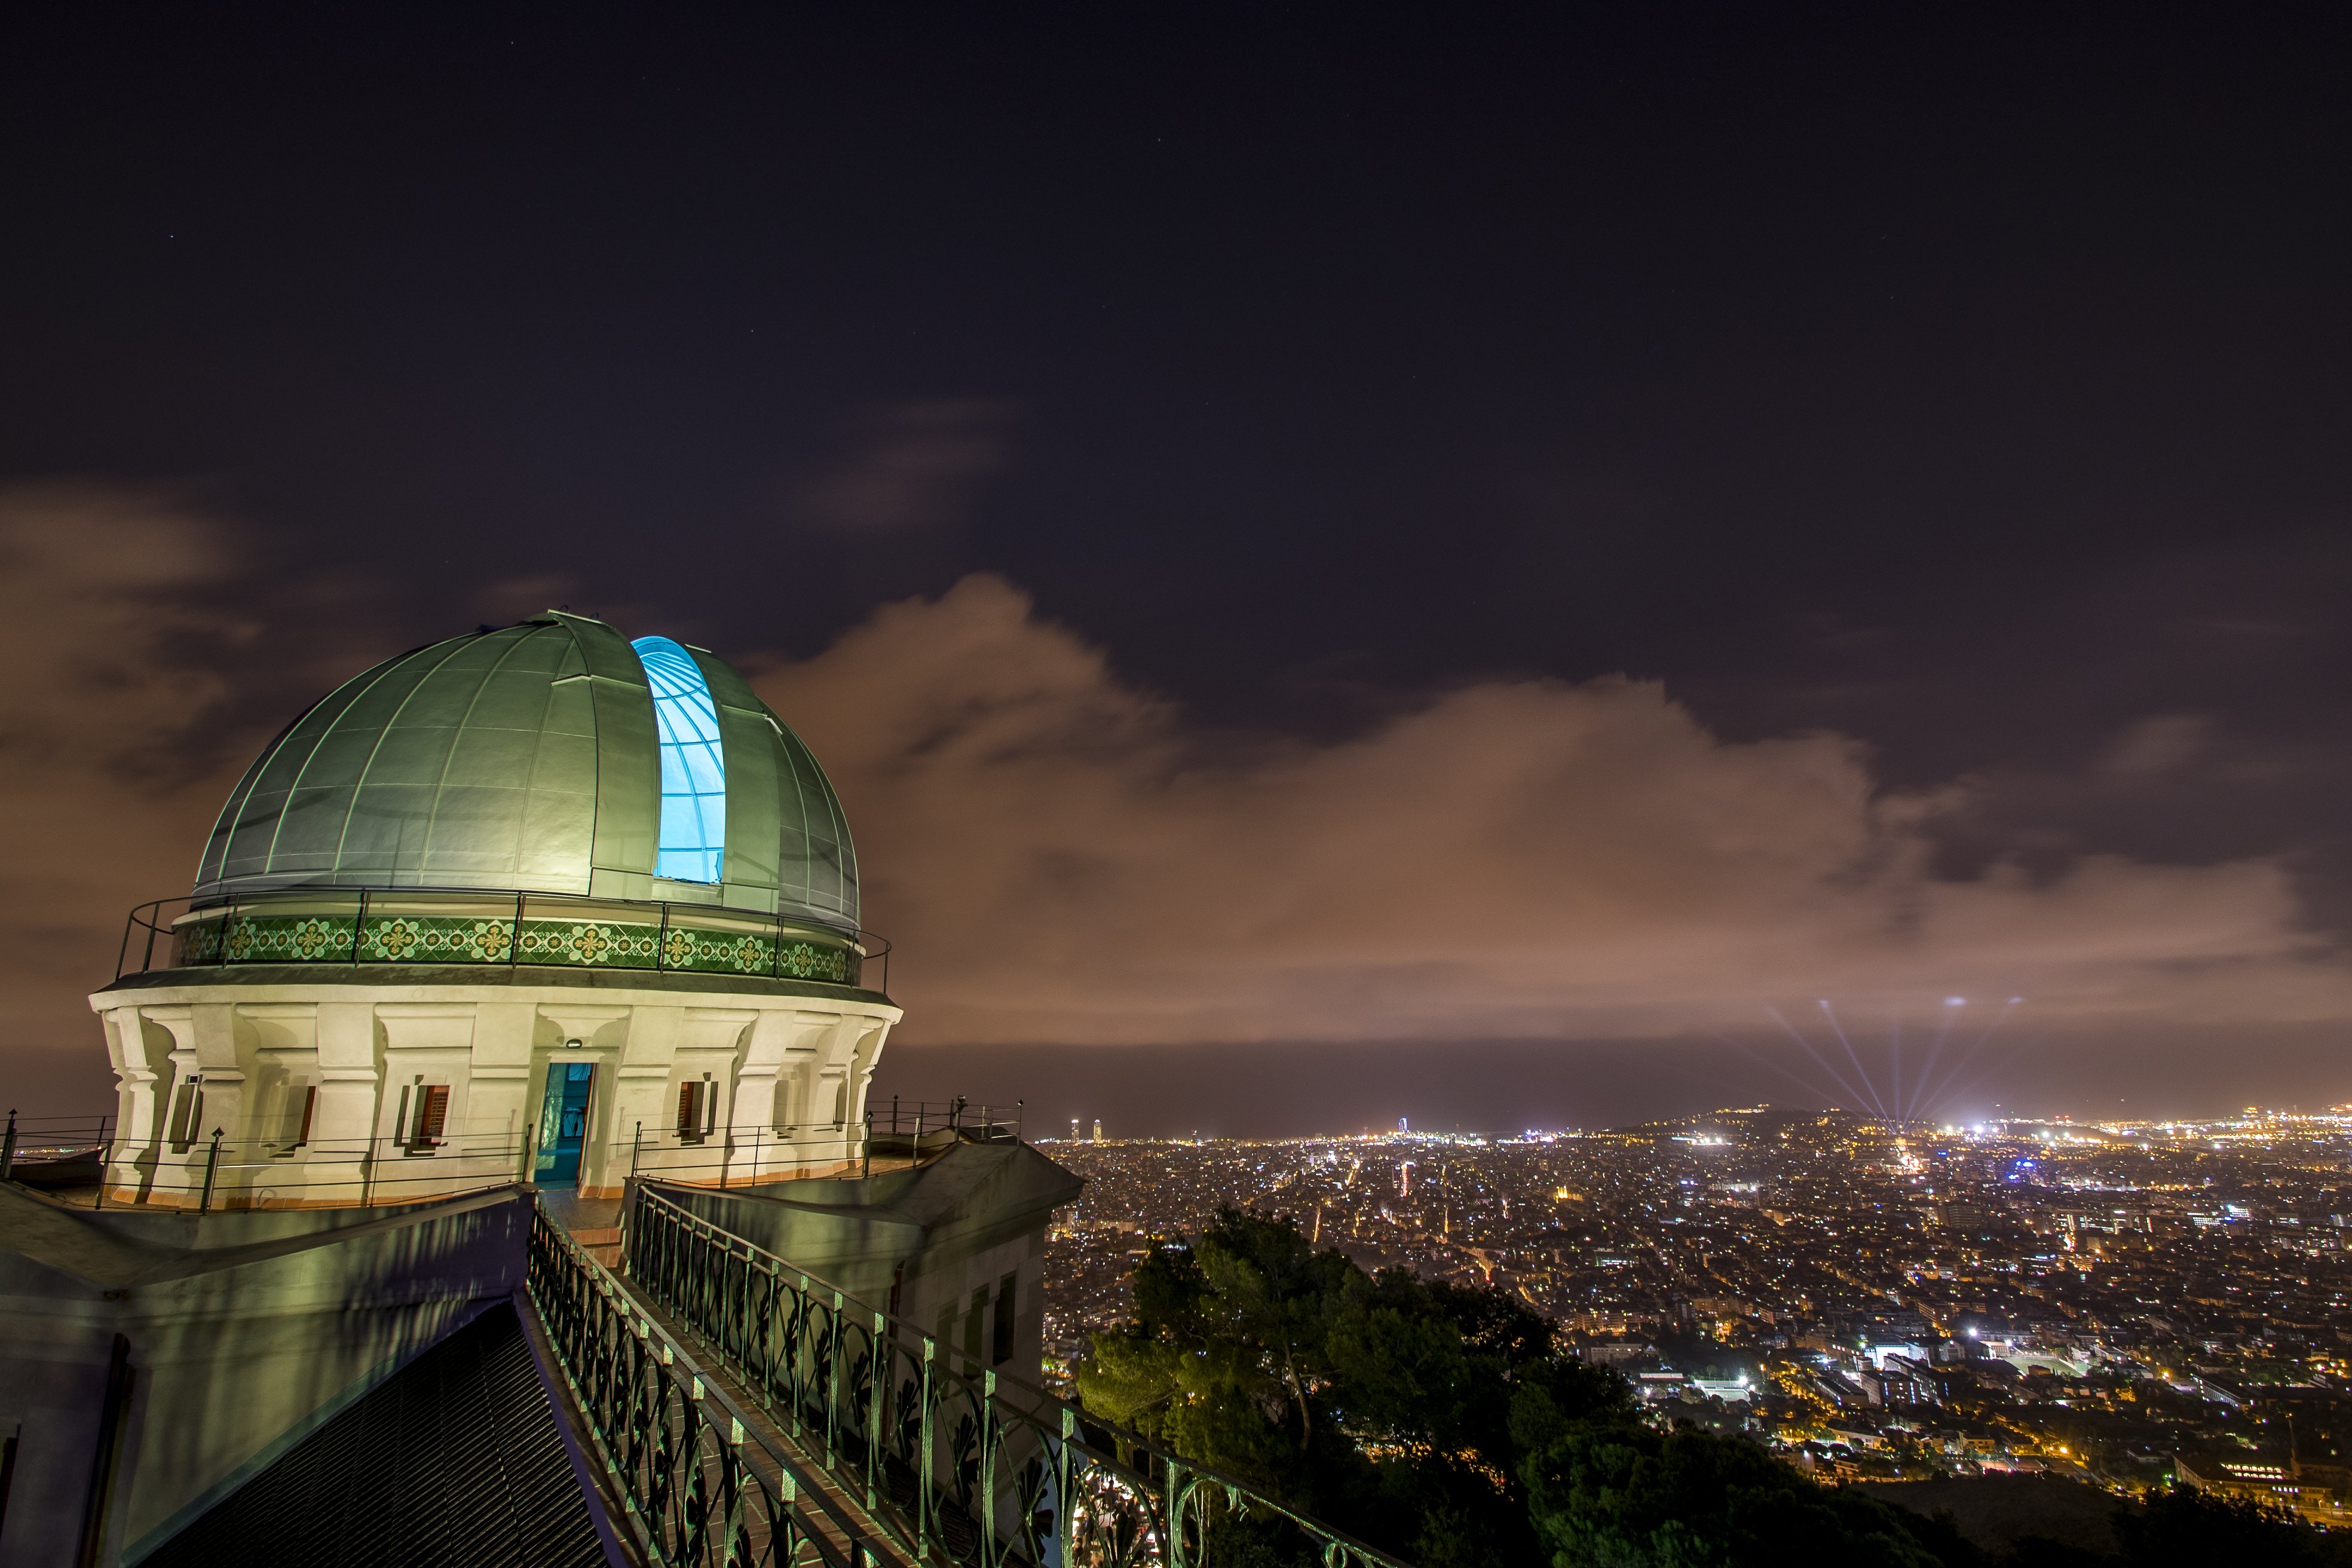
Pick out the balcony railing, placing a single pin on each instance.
(476, 929)
(967, 1464)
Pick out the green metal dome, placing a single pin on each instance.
(530, 760)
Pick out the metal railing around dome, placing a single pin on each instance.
(89, 1161)
(495, 930)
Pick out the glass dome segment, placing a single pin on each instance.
(693, 844)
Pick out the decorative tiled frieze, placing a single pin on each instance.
(243, 936)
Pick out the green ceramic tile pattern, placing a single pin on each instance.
(425, 938)
(245, 938)
(591, 944)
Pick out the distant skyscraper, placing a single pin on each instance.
(1098, 1129)
(1074, 1129)
(1403, 1125)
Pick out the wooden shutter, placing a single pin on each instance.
(690, 1109)
(309, 1105)
(432, 1113)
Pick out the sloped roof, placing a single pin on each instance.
(453, 1462)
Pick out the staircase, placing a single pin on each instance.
(691, 1471)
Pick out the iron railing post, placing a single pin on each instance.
(988, 1446)
(926, 1504)
(9, 1148)
(1065, 1477)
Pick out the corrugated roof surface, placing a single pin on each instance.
(455, 1462)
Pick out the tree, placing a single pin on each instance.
(1624, 1495)
(2185, 1527)
(1447, 1425)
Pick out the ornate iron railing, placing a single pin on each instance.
(701, 1487)
(483, 928)
(973, 1468)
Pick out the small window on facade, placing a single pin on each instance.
(187, 1115)
(1007, 1300)
(432, 1115)
(972, 1319)
(689, 1111)
(294, 1107)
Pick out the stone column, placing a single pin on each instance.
(712, 1040)
(142, 1068)
(500, 1097)
(342, 1128)
(426, 1043)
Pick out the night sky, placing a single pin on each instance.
(1345, 564)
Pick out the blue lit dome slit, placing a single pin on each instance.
(693, 844)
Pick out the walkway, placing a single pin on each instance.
(720, 1373)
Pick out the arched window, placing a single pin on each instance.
(693, 764)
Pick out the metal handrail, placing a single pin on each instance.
(868, 947)
(90, 1154)
(701, 1483)
(920, 1118)
(977, 1466)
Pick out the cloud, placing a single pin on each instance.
(912, 464)
(2161, 745)
(109, 777)
(1060, 858)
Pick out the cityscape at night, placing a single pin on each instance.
(2120, 1303)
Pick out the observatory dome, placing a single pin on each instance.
(551, 756)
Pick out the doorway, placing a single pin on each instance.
(563, 1122)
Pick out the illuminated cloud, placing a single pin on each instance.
(1060, 858)
(102, 629)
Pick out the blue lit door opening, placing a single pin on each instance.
(693, 764)
(564, 1123)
